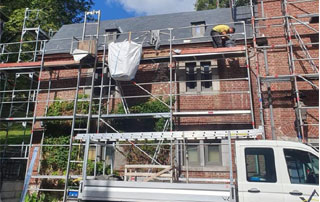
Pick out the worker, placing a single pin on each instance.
(220, 35)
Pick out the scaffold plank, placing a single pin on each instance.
(212, 50)
(215, 112)
(285, 78)
(35, 65)
(212, 55)
(48, 118)
(140, 115)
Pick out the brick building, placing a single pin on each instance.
(268, 82)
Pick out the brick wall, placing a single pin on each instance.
(282, 94)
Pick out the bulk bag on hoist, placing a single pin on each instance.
(124, 59)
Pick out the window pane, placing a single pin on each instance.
(191, 76)
(111, 36)
(193, 154)
(213, 154)
(206, 75)
(301, 167)
(315, 164)
(198, 29)
(260, 165)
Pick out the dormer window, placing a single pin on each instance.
(112, 34)
(198, 28)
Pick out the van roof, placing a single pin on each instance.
(277, 143)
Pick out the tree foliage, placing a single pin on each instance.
(212, 4)
(55, 14)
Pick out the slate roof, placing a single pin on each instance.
(61, 42)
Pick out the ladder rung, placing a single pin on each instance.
(92, 23)
(76, 161)
(79, 129)
(87, 74)
(48, 176)
(83, 99)
(303, 59)
(72, 199)
(82, 115)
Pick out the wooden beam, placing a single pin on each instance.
(157, 174)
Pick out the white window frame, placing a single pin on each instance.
(198, 28)
(198, 69)
(206, 156)
(202, 150)
(111, 36)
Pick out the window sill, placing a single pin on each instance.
(204, 92)
(192, 92)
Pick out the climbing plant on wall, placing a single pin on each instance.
(132, 154)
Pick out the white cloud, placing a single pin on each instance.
(153, 7)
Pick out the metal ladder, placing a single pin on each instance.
(39, 34)
(78, 117)
(34, 119)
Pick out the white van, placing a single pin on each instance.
(267, 171)
(276, 171)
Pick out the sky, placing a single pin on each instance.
(117, 9)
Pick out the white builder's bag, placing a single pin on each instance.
(124, 59)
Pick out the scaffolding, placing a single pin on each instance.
(294, 41)
(31, 26)
(94, 127)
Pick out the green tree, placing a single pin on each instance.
(55, 14)
(212, 4)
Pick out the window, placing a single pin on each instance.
(112, 34)
(193, 155)
(314, 19)
(199, 76)
(111, 37)
(198, 28)
(260, 166)
(206, 76)
(303, 167)
(212, 154)
(191, 76)
(204, 154)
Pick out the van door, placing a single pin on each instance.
(301, 176)
(258, 176)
